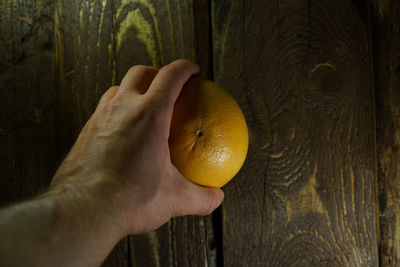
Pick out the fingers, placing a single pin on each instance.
(169, 81)
(137, 80)
(198, 200)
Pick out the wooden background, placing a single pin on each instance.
(318, 81)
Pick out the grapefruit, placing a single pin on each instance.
(208, 136)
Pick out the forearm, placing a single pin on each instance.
(59, 228)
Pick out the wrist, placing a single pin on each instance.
(92, 204)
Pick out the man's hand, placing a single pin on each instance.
(125, 146)
(118, 178)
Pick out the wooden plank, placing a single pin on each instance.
(97, 42)
(26, 98)
(386, 36)
(8, 139)
(301, 72)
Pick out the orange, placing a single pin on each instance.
(209, 136)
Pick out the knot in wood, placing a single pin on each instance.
(324, 79)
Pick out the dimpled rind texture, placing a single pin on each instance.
(209, 135)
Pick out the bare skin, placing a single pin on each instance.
(118, 179)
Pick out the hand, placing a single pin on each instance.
(121, 159)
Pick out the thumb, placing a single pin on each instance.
(199, 200)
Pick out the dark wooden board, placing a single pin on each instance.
(27, 153)
(386, 36)
(306, 195)
(301, 72)
(97, 42)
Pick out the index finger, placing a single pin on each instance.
(169, 81)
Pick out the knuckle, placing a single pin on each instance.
(136, 68)
(185, 64)
(109, 92)
(140, 69)
(170, 69)
(113, 88)
(178, 66)
(182, 62)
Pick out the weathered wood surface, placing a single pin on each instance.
(301, 72)
(27, 91)
(386, 36)
(97, 42)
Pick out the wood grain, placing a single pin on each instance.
(386, 36)
(306, 194)
(27, 94)
(299, 69)
(97, 42)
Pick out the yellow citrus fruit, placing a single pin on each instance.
(209, 136)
